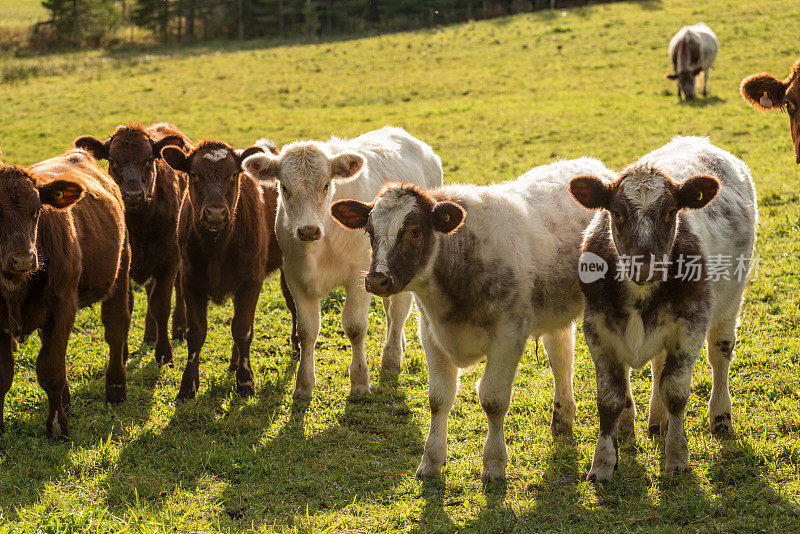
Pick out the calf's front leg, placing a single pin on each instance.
(7, 346)
(355, 320)
(494, 392)
(396, 309)
(674, 386)
(244, 309)
(611, 393)
(559, 347)
(159, 303)
(196, 313)
(721, 341)
(442, 387)
(308, 323)
(51, 367)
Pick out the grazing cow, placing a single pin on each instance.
(692, 50)
(228, 246)
(488, 268)
(676, 275)
(55, 260)
(319, 255)
(152, 192)
(763, 91)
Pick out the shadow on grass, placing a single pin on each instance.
(31, 460)
(703, 102)
(225, 448)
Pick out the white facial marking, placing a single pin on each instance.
(642, 187)
(388, 216)
(216, 155)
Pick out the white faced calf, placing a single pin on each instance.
(319, 255)
(675, 278)
(488, 267)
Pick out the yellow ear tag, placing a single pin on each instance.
(59, 195)
(700, 195)
(446, 217)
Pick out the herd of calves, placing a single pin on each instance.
(656, 257)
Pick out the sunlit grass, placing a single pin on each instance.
(493, 98)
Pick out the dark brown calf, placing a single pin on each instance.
(765, 92)
(152, 192)
(55, 260)
(228, 246)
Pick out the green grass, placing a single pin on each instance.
(493, 98)
(19, 13)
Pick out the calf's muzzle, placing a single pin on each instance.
(380, 284)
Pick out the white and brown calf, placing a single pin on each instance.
(488, 267)
(657, 210)
(319, 255)
(692, 51)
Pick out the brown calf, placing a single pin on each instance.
(54, 261)
(763, 91)
(152, 192)
(228, 246)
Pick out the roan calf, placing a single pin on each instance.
(319, 255)
(692, 51)
(765, 92)
(228, 246)
(488, 267)
(676, 275)
(55, 260)
(152, 192)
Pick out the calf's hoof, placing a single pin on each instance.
(58, 428)
(560, 428)
(721, 425)
(116, 393)
(390, 368)
(302, 393)
(188, 390)
(679, 468)
(358, 390)
(600, 474)
(164, 359)
(149, 342)
(493, 474)
(245, 389)
(656, 430)
(428, 470)
(178, 334)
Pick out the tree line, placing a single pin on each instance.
(178, 21)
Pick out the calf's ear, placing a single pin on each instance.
(670, 76)
(346, 165)
(763, 91)
(240, 156)
(170, 140)
(590, 191)
(268, 145)
(60, 193)
(351, 214)
(176, 158)
(93, 146)
(260, 166)
(448, 216)
(697, 191)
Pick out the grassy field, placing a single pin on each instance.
(494, 99)
(18, 13)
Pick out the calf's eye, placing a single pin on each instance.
(617, 215)
(415, 232)
(327, 186)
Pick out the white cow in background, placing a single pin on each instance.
(692, 50)
(319, 255)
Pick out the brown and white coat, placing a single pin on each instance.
(653, 210)
(488, 267)
(692, 51)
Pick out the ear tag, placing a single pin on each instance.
(446, 217)
(700, 196)
(765, 100)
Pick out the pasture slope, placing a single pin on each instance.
(493, 98)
